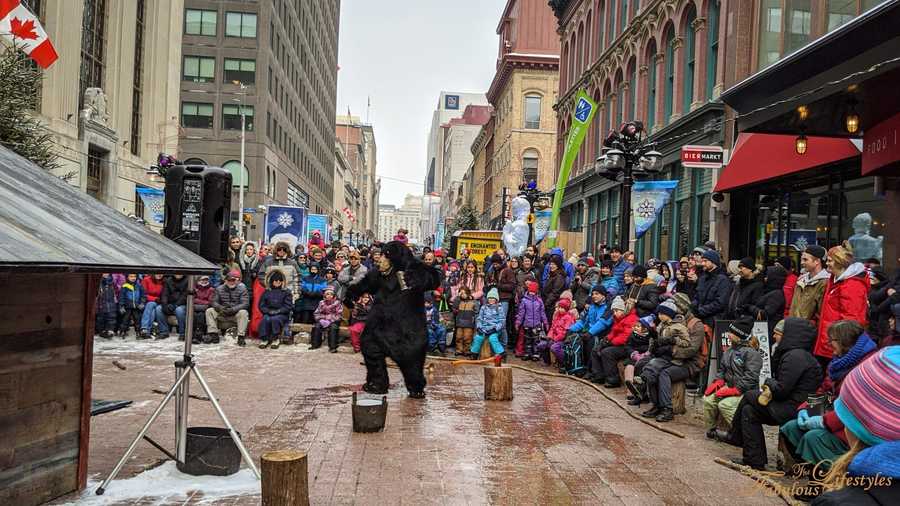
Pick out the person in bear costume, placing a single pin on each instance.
(396, 327)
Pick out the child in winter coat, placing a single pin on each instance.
(466, 310)
(131, 305)
(613, 347)
(107, 308)
(203, 295)
(437, 334)
(532, 319)
(275, 305)
(738, 373)
(358, 316)
(311, 288)
(638, 346)
(562, 320)
(488, 325)
(328, 317)
(153, 287)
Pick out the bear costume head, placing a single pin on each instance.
(395, 255)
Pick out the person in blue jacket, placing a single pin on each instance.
(608, 280)
(619, 266)
(595, 321)
(570, 270)
(488, 324)
(131, 305)
(311, 288)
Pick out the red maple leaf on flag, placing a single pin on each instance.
(23, 30)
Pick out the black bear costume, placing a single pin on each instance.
(395, 327)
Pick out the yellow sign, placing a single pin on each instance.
(530, 219)
(480, 243)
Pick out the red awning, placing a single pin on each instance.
(760, 157)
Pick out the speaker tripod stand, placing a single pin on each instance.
(180, 391)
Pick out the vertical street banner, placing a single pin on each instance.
(155, 201)
(286, 223)
(585, 109)
(648, 198)
(541, 225)
(318, 222)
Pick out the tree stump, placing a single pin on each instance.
(678, 398)
(498, 384)
(285, 478)
(486, 351)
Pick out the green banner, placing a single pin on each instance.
(581, 119)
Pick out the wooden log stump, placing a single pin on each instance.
(486, 351)
(678, 398)
(498, 384)
(285, 478)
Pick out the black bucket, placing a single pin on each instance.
(369, 414)
(210, 451)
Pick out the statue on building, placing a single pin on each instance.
(864, 245)
(95, 106)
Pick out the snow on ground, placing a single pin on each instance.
(174, 348)
(166, 485)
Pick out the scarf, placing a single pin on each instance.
(840, 366)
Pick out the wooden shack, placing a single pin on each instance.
(54, 243)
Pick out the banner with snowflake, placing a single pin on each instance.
(647, 200)
(154, 201)
(318, 222)
(285, 223)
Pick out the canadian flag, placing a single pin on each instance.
(20, 26)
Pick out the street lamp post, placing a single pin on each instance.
(241, 224)
(629, 156)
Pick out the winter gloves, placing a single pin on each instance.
(806, 422)
(727, 392)
(714, 386)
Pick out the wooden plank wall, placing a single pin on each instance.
(42, 333)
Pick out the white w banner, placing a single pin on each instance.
(541, 224)
(155, 201)
(647, 200)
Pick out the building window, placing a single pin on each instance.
(688, 81)
(234, 167)
(712, 53)
(93, 40)
(195, 161)
(199, 22)
(533, 111)
(231, 116)
(800, 25)
(651, 90)
(612, 21)
(138, 70)
(632, 93)
(296, 197)
(530, 165)
(199, 69)
(196, 115)
(670, 75)
(601, 20)
(770, 33)
(138, 201)
(95, 171)
(240, 24)
(623, 16)
(242, 71)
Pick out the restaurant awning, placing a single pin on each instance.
(762, 157)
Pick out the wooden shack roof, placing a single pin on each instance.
(48, 225)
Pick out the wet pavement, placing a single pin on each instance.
(557, 442)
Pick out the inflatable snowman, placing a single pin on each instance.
(515, 232)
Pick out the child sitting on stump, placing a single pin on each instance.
(738, 373)
(275, 304)
(328, 318)
(488, 325)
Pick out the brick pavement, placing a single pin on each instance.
(557, 442)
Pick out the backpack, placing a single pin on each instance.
(703, 353)
(574, 363)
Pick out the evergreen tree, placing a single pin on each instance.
(20, 129)
(466, 219)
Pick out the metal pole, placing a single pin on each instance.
(182, 397)
(241, 190)
(234, 435)
(625, 214)
(143, 431)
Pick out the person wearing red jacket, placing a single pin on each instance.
(153, 287)
(613, 347)
(790, 282)
(846, 297)
(816, 438)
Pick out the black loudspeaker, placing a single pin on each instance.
(198, 209)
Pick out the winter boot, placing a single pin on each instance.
(665, 415)
(211, 338)
(315, 338)
(274, 344)
(651, 413)
(263, 345)
(333, 338)
(241, 341)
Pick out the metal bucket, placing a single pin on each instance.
(210, 451)
(369, 414)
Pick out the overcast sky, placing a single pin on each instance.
(402, 53)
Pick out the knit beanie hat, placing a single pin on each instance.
(779, 327)
(646, 321)
(618, 303)
(816, 251)
(582, 261)
(565, 303)
(742, 328)
(493, 294)
(599, 288)
(429, 297)
(713, 257)
(748, 263)
(531, 286)
(328, 289)
(785, 261)
(607, 264)
(639, 271)
(496, 259)
(566, 294)
(668, 308)
(870, 394)
(682, 302)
